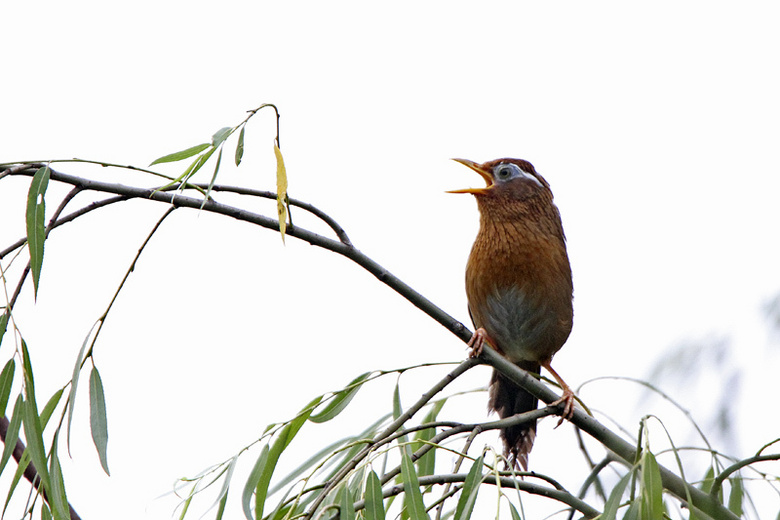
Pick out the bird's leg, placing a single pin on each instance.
(477, 341)
(567, 397)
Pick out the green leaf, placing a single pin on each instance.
(736, 495)
(45, 513)
(6, 380)
(413, 499)
(12, 434)
(652, 489)
(240, 146)
(48, 409)
(340, 400)
(280, 444)
(427, 463)
(21, 466)
(346, 506)
(213, 179)
(468, 495)
(36, 229)
(374, 504)
(178, 156)
(57, 497)
(3, 325)
(196, 165)
(515, 514)
(74, 381)
(97, 417)
(634, 511)
(615, 498)
(34, 436)
(708, 480)
(223, 492)
(221, 508)
(251, 483)
(220, 135)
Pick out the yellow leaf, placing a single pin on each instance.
(281, 190)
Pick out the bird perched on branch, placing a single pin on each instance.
(519, 288)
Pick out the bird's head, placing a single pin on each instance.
(506, 178)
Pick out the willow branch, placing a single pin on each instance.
(506, 482)
(623, 449)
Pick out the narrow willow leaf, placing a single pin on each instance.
(178, 156)
(29, 383)
(468, 495)
(340, 401)
(251, 483)
(56, 494)
(196, 165)
(426, 463)
(652, 488)
(213, 179)
(240, 146)
(281, 191)
(515, 514)
(33, 434)
(615, 498)
(397, 408)
(220, 135)
(346, 507)
(221, 508)
(186, 506)
(708, 480)
(374, 505)
(280, 444)
(634, 512)
(12, 434)
(74, 380)
(17, 476)
(3, 325)
(736, 495)
(48, 409)
(97, 417)
(225, 485)
(301, 419)
(45, 513)
(36, 229)
(413, 499)
(6, 380)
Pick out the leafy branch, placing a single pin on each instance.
(340, 474)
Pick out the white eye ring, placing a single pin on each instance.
(507, 171)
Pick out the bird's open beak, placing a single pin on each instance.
(482, 172)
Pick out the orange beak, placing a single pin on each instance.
(485, 174)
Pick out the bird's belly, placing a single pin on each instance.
(523, 329)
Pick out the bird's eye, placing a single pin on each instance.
(504, 172)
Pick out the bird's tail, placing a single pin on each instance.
(507, 399)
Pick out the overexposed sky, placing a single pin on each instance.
(657, 127)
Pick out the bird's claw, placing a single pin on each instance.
(567, 399)
(477, 342)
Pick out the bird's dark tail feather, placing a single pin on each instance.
(508, 399)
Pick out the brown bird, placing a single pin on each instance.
(519, 288)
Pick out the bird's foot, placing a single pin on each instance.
(477, 342)
(567, 399)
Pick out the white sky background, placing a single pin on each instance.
(657, 128)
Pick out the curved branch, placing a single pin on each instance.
(506, 482)
(718, 482)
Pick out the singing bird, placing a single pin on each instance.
(519, 288)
